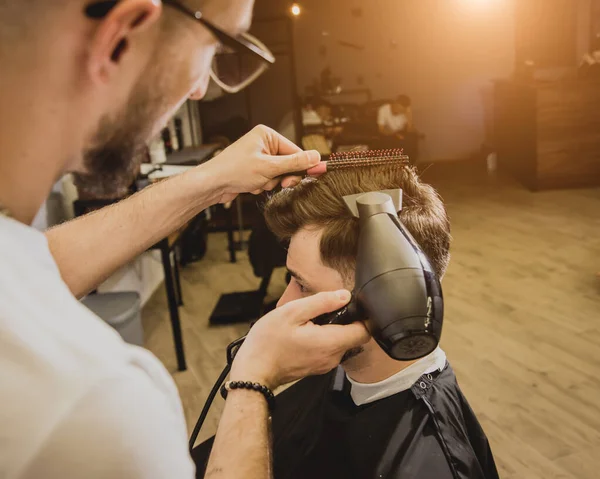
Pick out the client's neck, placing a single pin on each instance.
(373, 365)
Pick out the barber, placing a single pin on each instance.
(82, 88)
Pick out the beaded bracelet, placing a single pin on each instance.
(264, 390)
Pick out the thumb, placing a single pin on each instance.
(347, 336)
(303, 310)
(294, 163)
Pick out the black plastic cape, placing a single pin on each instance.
(428, 431)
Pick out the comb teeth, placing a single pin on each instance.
(358, 159)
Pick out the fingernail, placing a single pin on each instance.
(313, 157)
(318, 169)
(344, 295)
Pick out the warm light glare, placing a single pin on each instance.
(295, 9)
(480, 6)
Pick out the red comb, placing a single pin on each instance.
(359, 159)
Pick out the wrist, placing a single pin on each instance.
(241, 375)
(204, 185)
(251, 403)
(219, 179)
(257, 389)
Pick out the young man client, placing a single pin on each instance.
(374, 416)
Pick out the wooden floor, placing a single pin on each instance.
(522, 325)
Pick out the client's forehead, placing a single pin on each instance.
(304, 249)
(304, 260)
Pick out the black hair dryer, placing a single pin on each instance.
(396, 290)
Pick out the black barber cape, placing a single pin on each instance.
(426, 432)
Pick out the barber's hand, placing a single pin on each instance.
(286, 345)
(258, 162)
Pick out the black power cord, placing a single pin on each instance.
(232, 350)
(207, 404)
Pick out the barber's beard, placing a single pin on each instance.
(112, 160)
(110, 167)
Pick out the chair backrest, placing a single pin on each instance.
(264, 250)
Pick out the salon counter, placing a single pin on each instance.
(547, 135)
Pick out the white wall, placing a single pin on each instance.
(447, 53)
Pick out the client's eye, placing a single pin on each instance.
(303, 289)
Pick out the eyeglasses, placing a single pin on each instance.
(240, 59)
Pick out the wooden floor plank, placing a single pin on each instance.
(583, 464)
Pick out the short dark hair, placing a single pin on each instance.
(317, 202)
(404, 100)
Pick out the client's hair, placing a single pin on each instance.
(318, 203)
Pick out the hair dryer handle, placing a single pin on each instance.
(346, 315)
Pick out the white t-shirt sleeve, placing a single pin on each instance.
(383, 115)
(123, 428)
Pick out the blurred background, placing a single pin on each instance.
(497, 102)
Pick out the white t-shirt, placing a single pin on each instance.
(75, 400)
(366, 393)
(395, 123)
(311, 118)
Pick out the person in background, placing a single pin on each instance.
(396, 118)
(316, 111)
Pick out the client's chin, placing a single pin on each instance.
(352, 353)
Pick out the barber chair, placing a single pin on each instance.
(265, 253)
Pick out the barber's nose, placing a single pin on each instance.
(287, 296)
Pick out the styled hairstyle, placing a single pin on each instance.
(317, 203)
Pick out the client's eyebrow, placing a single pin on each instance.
(298, 278)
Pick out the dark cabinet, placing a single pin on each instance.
(547, 135)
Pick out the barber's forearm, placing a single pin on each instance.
(89, 249)
(242, 447)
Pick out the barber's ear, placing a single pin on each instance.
(114, 35)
